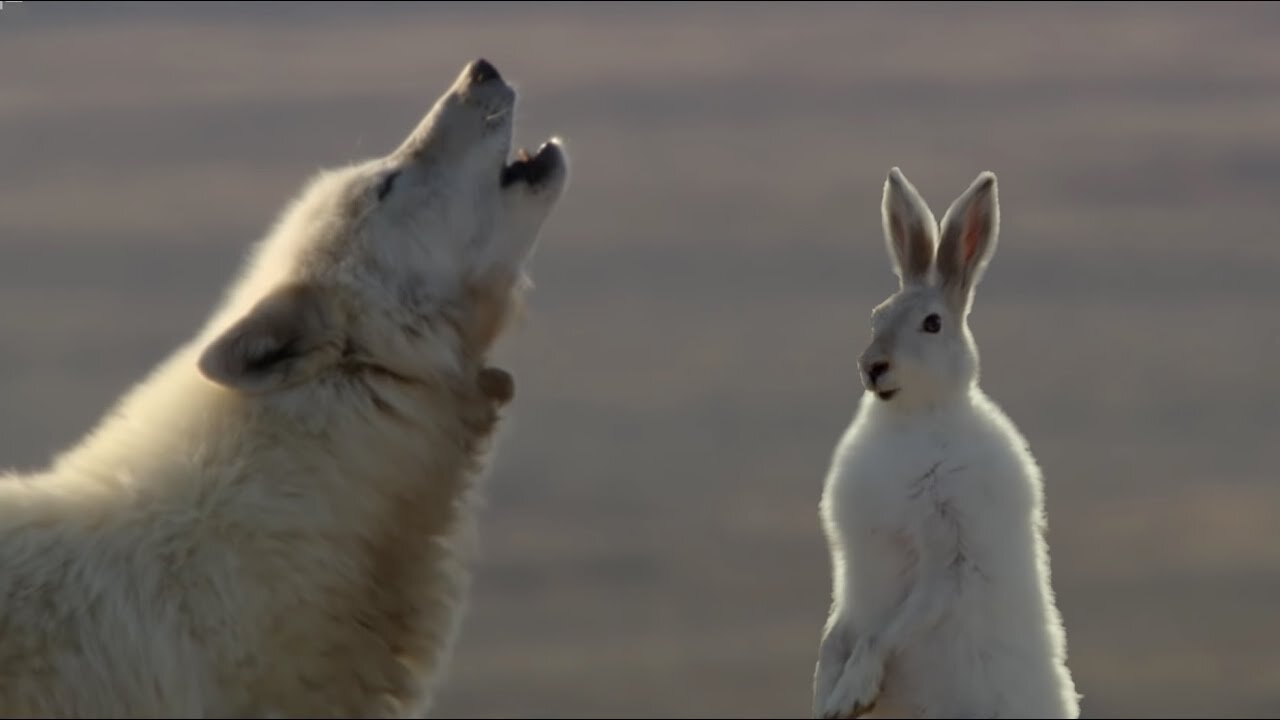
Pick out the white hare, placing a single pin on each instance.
(933, 506)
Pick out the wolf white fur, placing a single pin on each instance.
(276, 521)
(933, 507)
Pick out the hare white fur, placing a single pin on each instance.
(933, 506)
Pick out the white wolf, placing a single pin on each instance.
(933, 509)
(274, 523)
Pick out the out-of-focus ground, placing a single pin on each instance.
(651, 545)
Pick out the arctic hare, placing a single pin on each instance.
(933, 506)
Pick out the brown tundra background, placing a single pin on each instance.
(650, 542)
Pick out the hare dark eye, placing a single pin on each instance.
(384, 188)
(932, 324)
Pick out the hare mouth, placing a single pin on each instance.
(886, 394)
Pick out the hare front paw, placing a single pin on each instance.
(858, 688)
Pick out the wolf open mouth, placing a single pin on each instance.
(532, 170)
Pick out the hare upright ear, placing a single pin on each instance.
(910, 229)
(285, 339)
(969, 233)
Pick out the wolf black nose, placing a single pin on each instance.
(483, 71)
(877, 369)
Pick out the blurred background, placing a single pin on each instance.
(650, 542)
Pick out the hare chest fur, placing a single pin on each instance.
(947, 507)
(933, 507)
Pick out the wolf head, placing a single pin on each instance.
(407, 264)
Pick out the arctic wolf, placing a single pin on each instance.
(274, 522)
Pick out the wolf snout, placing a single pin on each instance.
(482, 71)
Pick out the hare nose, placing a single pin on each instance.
(877, 369)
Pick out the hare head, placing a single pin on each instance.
(921, 351)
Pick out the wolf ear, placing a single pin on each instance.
(910, 229)
(285, 339)
(969, 232)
